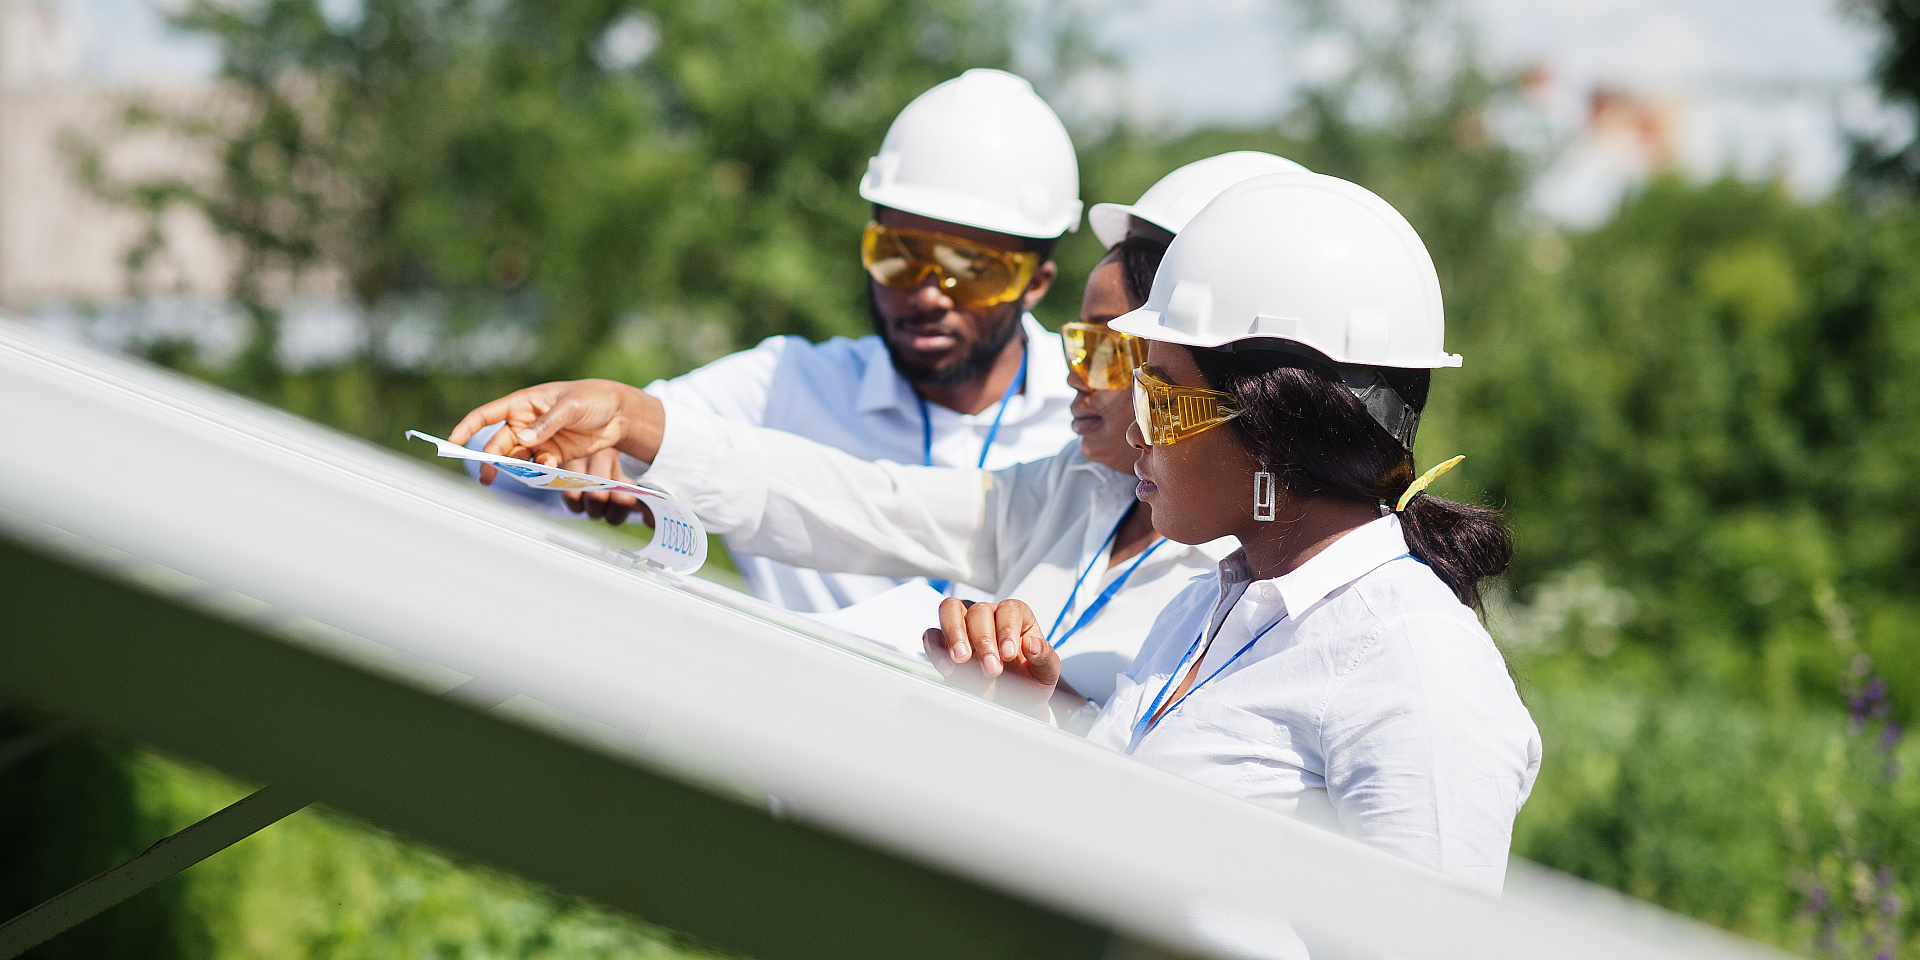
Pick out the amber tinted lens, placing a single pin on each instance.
(971, 274)
(1143, 411)
(889, 260)
(1103, 359)
(1168, 413)
(902, 259)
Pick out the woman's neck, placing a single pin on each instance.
(1136, 533)
(1278, 547)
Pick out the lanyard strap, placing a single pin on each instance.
(1099, 602)
(1146, 723)
(1149, 720)
(926, 433)
(926, 418)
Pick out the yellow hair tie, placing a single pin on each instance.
(1425, 481)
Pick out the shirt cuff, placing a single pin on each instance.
(715, 466)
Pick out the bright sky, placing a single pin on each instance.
(1762, 86)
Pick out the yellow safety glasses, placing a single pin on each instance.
(1168, 413)
(1103, 358)
(971, 273)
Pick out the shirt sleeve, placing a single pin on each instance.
(783, 496)
(738, 386)
(1429, 751)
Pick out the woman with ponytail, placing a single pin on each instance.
(1335, 667)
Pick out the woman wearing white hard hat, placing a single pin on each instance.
(1065, 532)
(1334, 667)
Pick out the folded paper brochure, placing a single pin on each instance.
(679, 541)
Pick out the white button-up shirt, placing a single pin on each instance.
(1026, 531)
(1373, 703)
(846, 394)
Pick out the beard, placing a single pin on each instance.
(977, 360)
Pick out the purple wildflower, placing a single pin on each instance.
(1817, 900)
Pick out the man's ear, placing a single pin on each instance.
(1037, 287)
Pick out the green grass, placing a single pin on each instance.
(1717, 808)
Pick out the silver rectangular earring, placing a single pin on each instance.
(1263, 495)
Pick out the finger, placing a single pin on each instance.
(487, 473)
(980, 634)
(646, 513)
(604, 464)
(481, 416)
(1011, 621)
(935, 642)
(953, 630)
(596, 503)
(573, 501)
(1038, 657)
(615, 505)
(1043, 665)
(562, 414)
(504, 441)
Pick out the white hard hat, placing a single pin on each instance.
(982, 150)
(1179, 195)
(1304, 258)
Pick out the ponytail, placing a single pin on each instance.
(1303, 423)
(1462, 543)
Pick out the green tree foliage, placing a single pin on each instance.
(1712, 401)
(1879, 166)
(524, 190)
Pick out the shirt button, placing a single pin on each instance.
(1267, 592)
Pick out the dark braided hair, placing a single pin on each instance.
(1303, 423)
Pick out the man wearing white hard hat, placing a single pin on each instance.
(972, 186)
(1065, 533)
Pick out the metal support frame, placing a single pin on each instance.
(91, 897)
(242, 819)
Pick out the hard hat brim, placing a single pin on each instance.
(1145, 324)
(967, 212)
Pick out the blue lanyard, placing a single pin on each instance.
(1100, 602)
(926, 418)
(1146, 723)
(926, 434)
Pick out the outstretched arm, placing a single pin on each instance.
(581, 425)
(772, 493)
(570, 420)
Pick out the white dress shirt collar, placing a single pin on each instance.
(1356, 554)
(883, 388)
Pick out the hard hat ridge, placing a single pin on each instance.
(1305, 258)
(982, 150)
(1175, 198)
